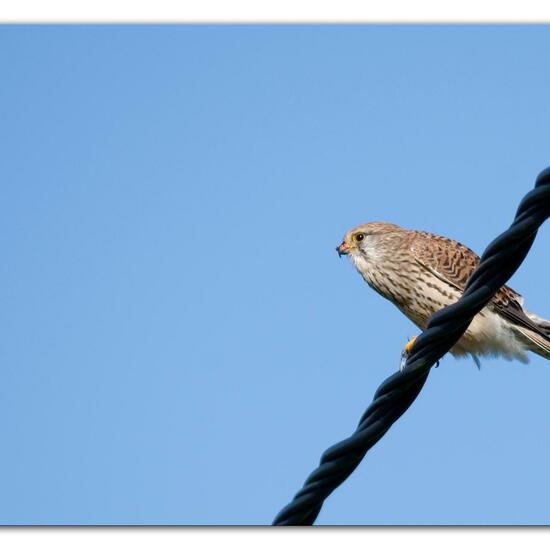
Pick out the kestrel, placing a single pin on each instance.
(421, 273)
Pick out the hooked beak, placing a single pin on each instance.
(342, 249)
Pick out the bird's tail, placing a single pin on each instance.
(538, 342)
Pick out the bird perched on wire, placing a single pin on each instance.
(421, 273)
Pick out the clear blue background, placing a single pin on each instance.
(180, 341)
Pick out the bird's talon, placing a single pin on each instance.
(406, 352)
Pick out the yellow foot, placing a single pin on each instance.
(407, 348)
(406, 352)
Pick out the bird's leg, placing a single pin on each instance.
(407, 349)
(406, 352)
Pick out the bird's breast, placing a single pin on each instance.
(416, 292)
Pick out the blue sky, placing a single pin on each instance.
(180, 340)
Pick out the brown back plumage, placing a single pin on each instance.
(453, 262)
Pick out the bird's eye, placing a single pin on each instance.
(358, 237)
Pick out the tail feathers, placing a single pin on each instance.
(543, 324)
(536, 342)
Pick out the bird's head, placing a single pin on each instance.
(367, 240)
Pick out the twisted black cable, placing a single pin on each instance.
(498, 263)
